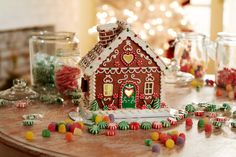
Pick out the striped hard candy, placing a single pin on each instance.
(211, 108)
(134, 125)
(156, 125)
(172, 121)
(212, 114)
(185, 114)
(199, 113)
(226, 107)
(21, 104)
(28, 122)
(112, 126)
(221, 119)
(179, 116)
(110, 133)
(217, 124)
(233, 124)
(190, 108)
(165, 124)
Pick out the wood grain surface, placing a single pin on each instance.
(125, 143)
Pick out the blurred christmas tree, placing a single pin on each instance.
(156, 21)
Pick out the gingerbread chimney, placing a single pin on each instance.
(107, 33)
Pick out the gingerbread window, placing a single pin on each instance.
(148, 88)
(107, 89)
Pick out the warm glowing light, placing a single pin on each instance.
(171, 32)
(162, 7)
(160, 51)
(152, 32)
(138, 4)
(174, 5)
(147, 26)
(168, 14)
(152, 8)
(160, 28)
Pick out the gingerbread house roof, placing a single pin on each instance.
(92, 60)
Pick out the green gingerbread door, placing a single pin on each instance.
(128, 98)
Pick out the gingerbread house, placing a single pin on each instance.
(121, 71)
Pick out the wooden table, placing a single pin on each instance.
(125, 143)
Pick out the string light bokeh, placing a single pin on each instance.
(156, 21)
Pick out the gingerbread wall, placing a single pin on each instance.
(128, 62)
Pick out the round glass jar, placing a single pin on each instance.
(190, 53)
(226, 61)
(43, 48)
(67, 72)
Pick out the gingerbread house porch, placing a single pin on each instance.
(122, 71)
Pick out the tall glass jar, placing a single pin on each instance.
(190, 53)
(226, 61)
(43, 48)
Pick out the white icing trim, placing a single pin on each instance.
(138, 51)
(149, 78)
(136, 79)
(116, 52)
(148, 97)
(162, 84)
(115, 43)
(108, 79)
(129, 70)
(92, 86)
(128, 46)
(107, 27)
(125, 78)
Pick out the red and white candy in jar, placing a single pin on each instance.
(67, 72)
(226, 63)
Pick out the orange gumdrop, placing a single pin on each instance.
(219, 92)
(106, 119)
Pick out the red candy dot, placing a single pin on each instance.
(189, 122)
(208, 128)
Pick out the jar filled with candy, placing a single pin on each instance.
(226, 63)
(190, 52)
(43, 49)
(67, 72)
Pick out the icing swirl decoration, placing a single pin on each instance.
(102, 125)
(123, 125)
(146, 125)
(94, 129)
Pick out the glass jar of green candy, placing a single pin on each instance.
(43, 48)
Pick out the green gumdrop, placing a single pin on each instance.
(46, 133)
(148, 142)
(200, 123)
(93, 117)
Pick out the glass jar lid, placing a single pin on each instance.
(18, 91)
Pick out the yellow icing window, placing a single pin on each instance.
(148, 88)
(107, 89)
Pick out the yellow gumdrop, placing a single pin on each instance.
(62, 128)
(82, 124)
(194, 83)
(206, 120)
(170, 143)
(68, 120)
(155, 136)
(192, 71)
(29, 135)
(231, 95)
(98, 119)
(77, 132)
(174, 132)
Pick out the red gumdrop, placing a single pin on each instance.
(182, 135)
(75, 125)
(68, 136)
(52, 127)
(189, 122)
(208, 128)
(174, 137)
(164, 139)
